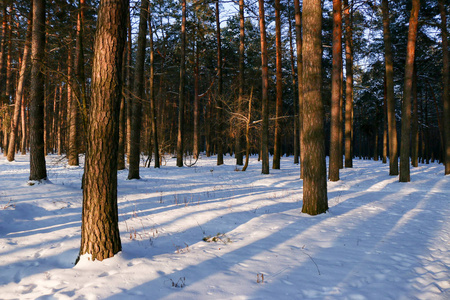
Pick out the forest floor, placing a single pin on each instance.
(211, 232)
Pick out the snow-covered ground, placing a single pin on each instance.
(381, 239)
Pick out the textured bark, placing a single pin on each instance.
(219, 133)
(154, 121)
(279, 88)
(349, 87)
(298, 36)
(389, 63)
(336, 92)
(264, 96)
(100, 232)
(407, 93)
(19, 93)
(445, 82)
(138, 93)
(315, 174)
(181, 96)
(238, 147)
(38, 169)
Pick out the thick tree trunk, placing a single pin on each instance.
(100, 232)
(181, 96)
(336, 93)
(220, 127)
(19, 93)
(445, 82)
(315, 199)
(388, 57)
(298, 36)
(279, 76)
(38, 169)
(349, 87)
(138, 93)
(407, 93)
(152, 96)
(265, 87)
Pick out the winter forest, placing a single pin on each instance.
(224, 149)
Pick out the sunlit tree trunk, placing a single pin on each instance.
(336, 92)
(349, 87)
(138, 93)
(264, 96)
(99, 230)
(152, 95)
(128, 85)
(315, 199)
(446, 82)
(407, 93)
(19, 93)
(181, 96)
(38, 169)
(294, 91)
(388, 57)
(279, 88)
(298, 36)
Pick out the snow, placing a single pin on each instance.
(381, 239)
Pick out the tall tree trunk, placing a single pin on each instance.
(23, 115)
(152, 96)
(349, 87)
(298, 36)
(238, 148)
(265, 87)
(385, 129)
(196, 139)
(128, 86)
(3, 46)
(388, 58)
(138, 93)
(99, 230)
(315, 199)
(415, 124)
(336, 92)
(38, 169)
(220, 129)
(181, 96)
(122, 116)
(407, 92)
(279, 76)
(19, 92)
(295, 94)
(445, 82)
